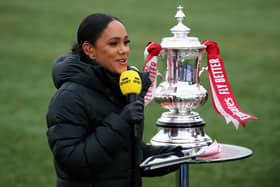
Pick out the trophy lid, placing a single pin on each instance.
(180, 39)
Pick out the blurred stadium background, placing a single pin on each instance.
(34, 32)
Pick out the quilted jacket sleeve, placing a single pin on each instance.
(149, 150)
(76, 149)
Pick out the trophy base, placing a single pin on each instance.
(181, 130)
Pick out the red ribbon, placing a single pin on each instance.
(221, 93)
(152, 50)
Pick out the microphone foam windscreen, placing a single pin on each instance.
(130, 83)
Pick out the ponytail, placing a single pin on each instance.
(77, 49)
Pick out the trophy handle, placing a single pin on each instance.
(202, 70)
(199, 70)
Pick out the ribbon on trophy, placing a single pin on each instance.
(151, 52)
(221, 93)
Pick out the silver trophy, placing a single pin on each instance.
(179, 89)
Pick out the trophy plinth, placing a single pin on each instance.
(179, 90)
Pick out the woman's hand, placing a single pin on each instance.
(133, 112)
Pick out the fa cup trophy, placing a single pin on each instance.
(179, 90)
(174, 68)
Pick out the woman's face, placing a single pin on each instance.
(111, 49)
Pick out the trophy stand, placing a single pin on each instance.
(192, 156)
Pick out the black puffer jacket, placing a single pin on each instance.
(91, 144)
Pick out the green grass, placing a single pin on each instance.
(33, 33)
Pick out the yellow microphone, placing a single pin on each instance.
(130, 84)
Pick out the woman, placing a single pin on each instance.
(89, 120)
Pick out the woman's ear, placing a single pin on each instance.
(89, 50)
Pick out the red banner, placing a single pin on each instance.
(151, 52)
(221, 93)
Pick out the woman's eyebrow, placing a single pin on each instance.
(117, 38)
